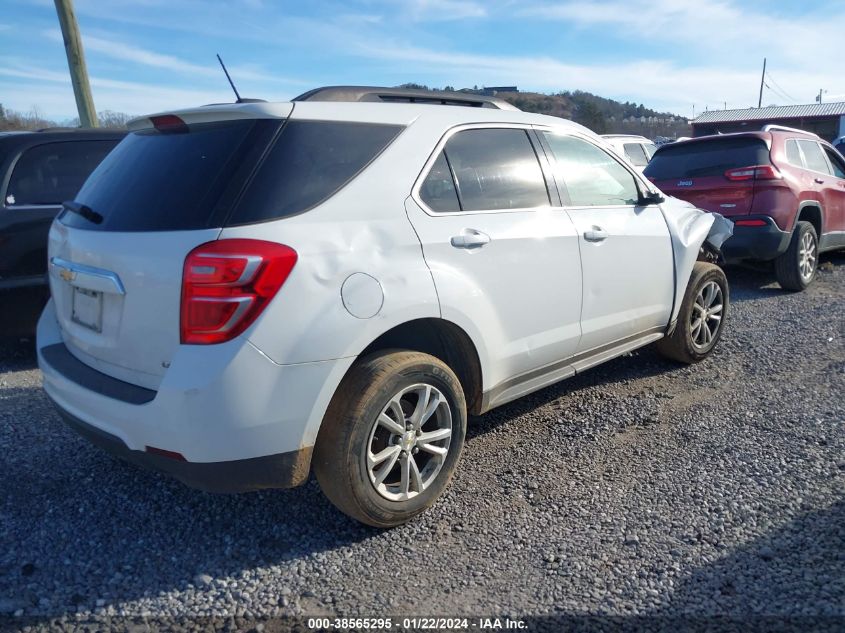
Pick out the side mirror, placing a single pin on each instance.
(651, 196)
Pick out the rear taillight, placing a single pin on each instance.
(227, 283)
(755, 172)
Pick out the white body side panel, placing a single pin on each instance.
(629, 284)
(520, 293)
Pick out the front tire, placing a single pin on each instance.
(701, 318)
(796, 268)
(391, 438)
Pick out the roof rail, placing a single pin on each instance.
(403, 95)
(783, 128)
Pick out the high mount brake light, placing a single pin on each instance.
(169, 123)
(754, 172)
(226, 284)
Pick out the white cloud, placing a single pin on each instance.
(659, 84)
(145, 57)
(721, 29)
(444, 10)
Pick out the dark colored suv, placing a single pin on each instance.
(38, 171)
(783, 188)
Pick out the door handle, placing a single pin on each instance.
(597, 234)
(819, 181)
(470, 238)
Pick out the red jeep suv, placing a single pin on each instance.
(783, 188)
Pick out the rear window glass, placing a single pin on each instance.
(155, 181)
(309, 163)
(51, 173)
(636, 154)
(706, 158)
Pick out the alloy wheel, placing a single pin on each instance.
(807, 256)
(706, 316)
(409, 442)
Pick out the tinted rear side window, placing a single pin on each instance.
(155, 181)
(496, 169)
(52, 173)
(706, 158)
(309, 163)
(438, 189)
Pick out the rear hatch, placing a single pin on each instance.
(117, 254)
(717, 174)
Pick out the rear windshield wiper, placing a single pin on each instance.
(85, 211)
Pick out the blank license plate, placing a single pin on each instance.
(88, 309)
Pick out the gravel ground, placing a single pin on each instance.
(640, 487)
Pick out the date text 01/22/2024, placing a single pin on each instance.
(415, 623)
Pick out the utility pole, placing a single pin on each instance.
(76, 63)
(762, 81)
(820, 96)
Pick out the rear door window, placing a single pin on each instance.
(712, 157)
(309, 163)
(51, 173)
(496, 169)
(814, 156)
(593, 178)
(636, 154)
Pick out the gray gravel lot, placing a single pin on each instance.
(640, 487)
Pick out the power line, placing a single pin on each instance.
(784, 92)
(777, 93)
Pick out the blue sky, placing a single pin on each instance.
(152, 55)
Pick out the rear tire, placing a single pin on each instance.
(796, 268)
(701, 318)
(375, 467)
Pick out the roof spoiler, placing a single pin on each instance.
(403, 95)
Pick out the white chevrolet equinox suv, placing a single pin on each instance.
(242, 293)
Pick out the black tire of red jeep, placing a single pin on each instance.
(679, 345)
(788, 265)
(339, 454)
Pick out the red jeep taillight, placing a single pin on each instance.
(227, 283)
(755, 172)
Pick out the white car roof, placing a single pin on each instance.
(364, 112)
(626, 137)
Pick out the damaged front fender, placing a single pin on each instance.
(691, 229)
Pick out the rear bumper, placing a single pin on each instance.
(283, 470)
(757, 243)
(240, 421)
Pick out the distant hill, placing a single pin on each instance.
(601, 115)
